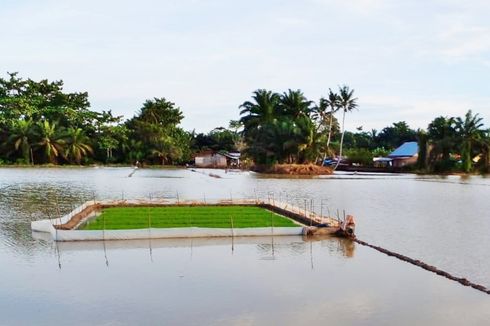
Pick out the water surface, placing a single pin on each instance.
(443, 221)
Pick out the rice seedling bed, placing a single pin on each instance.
(242, 216)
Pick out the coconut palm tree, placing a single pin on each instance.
(51, 140)
(77, 145)
(347, 102)
(333, 102)
(21, 136)
(326, 109)
(470, 132)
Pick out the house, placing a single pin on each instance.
(210, 159)
(404, 155)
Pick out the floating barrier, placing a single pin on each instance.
(430, 268)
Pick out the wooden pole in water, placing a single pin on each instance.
(312, 209)
(232, 234)
(321, 208)
(58, 212)
(311, 219)
(149, 234)
(272, 233)
(58, 254)
(103, 227)
(149, 219)
(178, 200)
(103, 240)
(305, 207)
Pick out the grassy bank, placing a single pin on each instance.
(186, 216)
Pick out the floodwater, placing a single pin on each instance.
(281, 280)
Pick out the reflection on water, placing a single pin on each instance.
(269, 247)
(205, 282)
(279, 280)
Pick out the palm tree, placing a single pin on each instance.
(258, 117)
(262, 110)
(332, 105)
(333, 102)
(441, 133)
(77, 145)
(21, 136)
(347, 102)
(470, 132)
(134, 150)
(51, 140)
(294, 104)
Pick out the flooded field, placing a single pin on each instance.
(282, 280)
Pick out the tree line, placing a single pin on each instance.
(40, 123)
(288, 128)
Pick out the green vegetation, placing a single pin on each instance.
(186, 216)
(42, 124)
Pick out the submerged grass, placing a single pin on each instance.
(122, 218)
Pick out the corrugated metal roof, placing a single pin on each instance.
(409, 149)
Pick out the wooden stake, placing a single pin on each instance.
(321, 208)
(312, 210)
(305, 208)
(232, 234)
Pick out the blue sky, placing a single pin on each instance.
(407, 60)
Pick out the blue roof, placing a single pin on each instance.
(410, 148)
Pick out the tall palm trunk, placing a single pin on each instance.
(329, 136)
(341, 140)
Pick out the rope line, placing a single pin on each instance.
(430, 268)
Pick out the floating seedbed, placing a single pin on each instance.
(116, 220)
(231, 216)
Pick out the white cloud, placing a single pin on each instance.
(404, 62)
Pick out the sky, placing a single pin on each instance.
(406, 60)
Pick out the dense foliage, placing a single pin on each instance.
(42, 124)
(286, 128)
(289, 128)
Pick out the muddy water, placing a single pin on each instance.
(443, 221)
